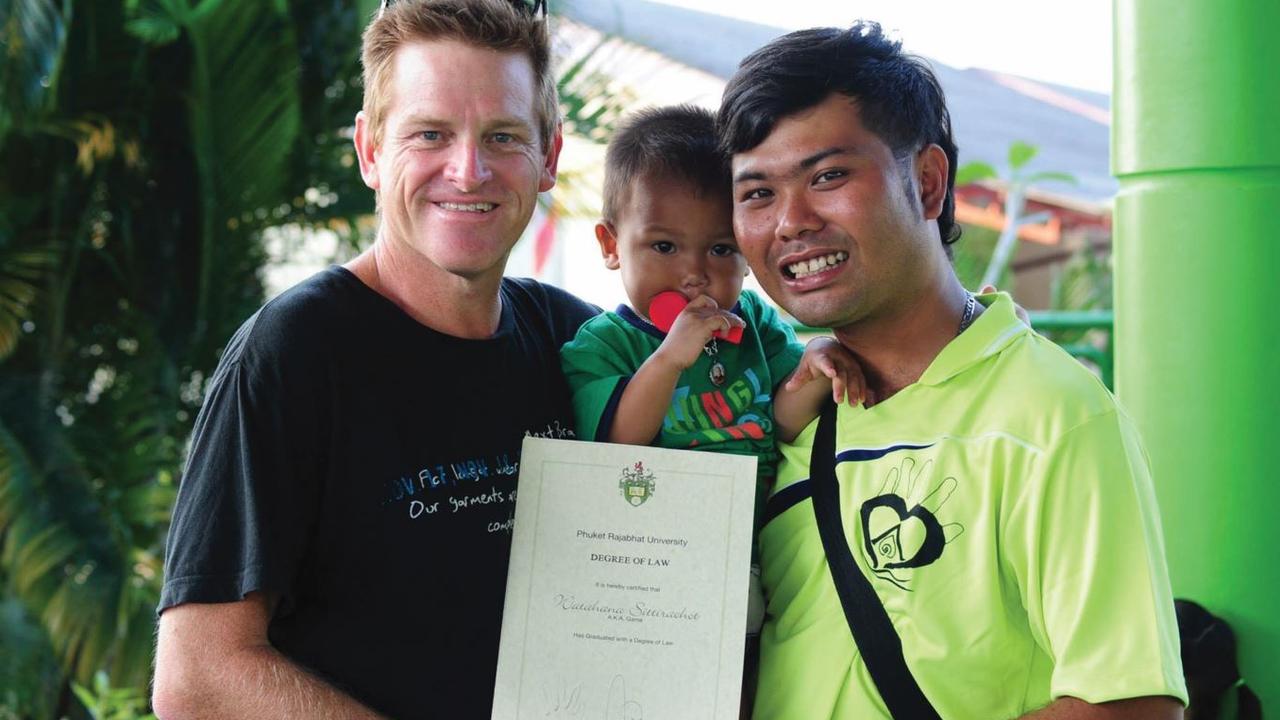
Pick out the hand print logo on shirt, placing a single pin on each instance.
(901, 531)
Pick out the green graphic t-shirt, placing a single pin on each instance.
(1003, 511)
(735, 416)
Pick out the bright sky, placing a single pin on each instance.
(1060, 41)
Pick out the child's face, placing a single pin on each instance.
(668, 238)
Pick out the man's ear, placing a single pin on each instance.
(932, 168)
(366, 152)
(608, 245)
(552, 161)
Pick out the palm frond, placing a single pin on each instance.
(244, 117)
(592, 101)
(154, 21)
(22, 274)
(29, 676)
(65, 555)
(33, 36)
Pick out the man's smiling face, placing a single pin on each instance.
(828, 219)
(460, 164)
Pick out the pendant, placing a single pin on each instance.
(717, 374)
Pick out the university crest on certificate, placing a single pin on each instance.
(627, 588)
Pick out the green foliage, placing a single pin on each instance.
(144, 145)
(154, 21)
(1020, 153)
(1015, 188)
(32, 39)
(1083, 283)
(973, 172)
(29, 677)
(20, 272)
(107, 703)
(972, 253)
(590, 102)
(591, 105)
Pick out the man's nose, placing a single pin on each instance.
(796, 217)
(468, 168)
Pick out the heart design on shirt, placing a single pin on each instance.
(896, 537)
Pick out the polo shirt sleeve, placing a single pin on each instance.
(1083, 541)
(597, 372)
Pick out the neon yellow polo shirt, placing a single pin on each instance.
(1011, 532)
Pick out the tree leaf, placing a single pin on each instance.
(22, 273)
(973, 172)
(1020, 153)
(154, 30)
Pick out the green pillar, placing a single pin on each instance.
(1196, 138)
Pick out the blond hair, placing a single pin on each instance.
(504, 25)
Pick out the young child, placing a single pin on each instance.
(668, 226)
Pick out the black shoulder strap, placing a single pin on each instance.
(873, 632)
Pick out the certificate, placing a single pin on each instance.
(627, 588)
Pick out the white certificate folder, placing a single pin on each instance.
(627, 588)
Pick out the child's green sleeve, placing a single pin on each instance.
(597, 364)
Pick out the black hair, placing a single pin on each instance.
(898, 97)
(677, 142)
(1209, 664)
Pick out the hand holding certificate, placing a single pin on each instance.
(627, 588)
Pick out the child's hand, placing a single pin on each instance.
(692, 329)
(826, 359)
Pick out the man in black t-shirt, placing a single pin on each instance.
(340, 542)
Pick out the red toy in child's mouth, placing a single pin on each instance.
(665, 306)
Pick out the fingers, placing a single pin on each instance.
(987, 289)
(696, 324)
(854, 386)
(708, 316)
(846, 378)
(802, 375)
(849, 385)
(826, 366)
(705, 306)
(720, 321)
(824, 357)
(702, 301)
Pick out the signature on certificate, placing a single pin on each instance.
(563, 701)
(619, 707)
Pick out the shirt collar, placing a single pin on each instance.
(992, 332)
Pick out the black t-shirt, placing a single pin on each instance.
(363, 466)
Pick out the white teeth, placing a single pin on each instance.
(481, 207)
(817, 264)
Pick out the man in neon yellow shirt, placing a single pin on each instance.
(992, 496)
